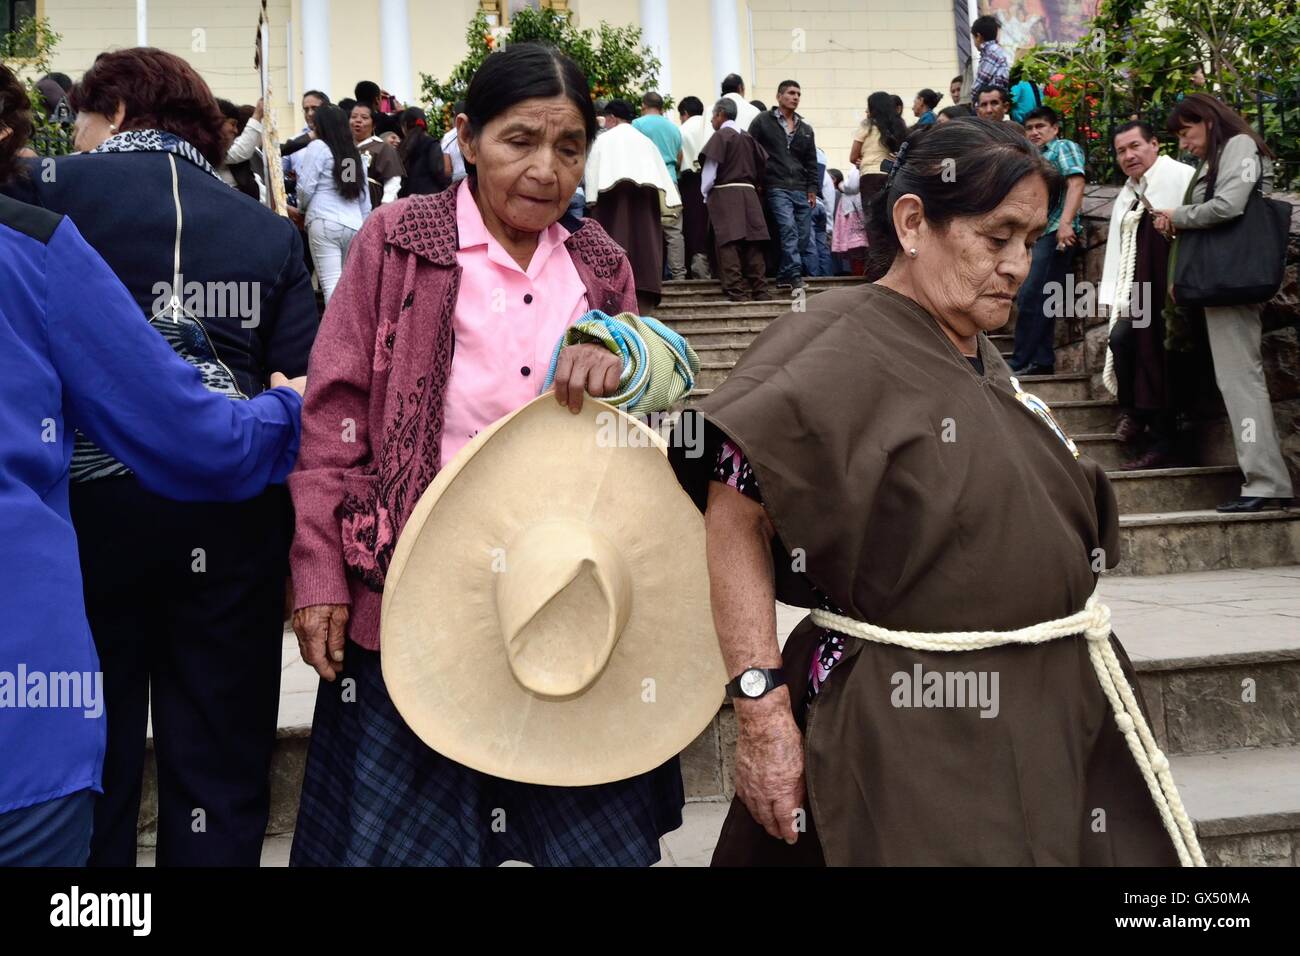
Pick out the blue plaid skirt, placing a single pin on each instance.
(375, 795)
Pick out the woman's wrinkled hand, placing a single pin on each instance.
(769, 764)
(1164, 222)
(590, 368)
(321, 629)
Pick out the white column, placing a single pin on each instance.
(141, 22)
(395, 49)
(654, 34)
(726, 47)
(316, 46)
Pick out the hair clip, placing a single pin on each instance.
(892, 165)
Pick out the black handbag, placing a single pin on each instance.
(1241, 262)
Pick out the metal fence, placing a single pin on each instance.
(53, 139)
(1275, 116)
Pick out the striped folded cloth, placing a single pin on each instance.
(659, 366)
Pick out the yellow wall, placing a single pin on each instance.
(217, 38)
(847, 48)
(850, 49)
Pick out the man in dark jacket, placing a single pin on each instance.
(791, 182)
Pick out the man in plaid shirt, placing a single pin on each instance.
(1035, 352)
(995, 65)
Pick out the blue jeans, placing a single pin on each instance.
(793, 215)
(817, 259)
(53, 833)
(1035, 330)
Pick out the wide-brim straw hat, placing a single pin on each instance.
(546, 616)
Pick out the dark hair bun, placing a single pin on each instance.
(965, 167)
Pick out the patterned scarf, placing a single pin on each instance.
(154, 141)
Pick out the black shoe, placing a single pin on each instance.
(783, 283)
(762, 296)
(1039, 370)
(797, 282)
(736, 297)
(1249, 505)
(1155, 458)
(1128, 429)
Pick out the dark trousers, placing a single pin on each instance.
(53, 833)
(740, 267)
(186, 603)
(1035, 329)
(793, 215)
(1172, 383)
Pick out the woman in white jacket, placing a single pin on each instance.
(332, 194)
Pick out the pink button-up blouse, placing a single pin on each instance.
(506, 321)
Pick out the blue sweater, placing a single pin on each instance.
(76, 352)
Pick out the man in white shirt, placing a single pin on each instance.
(733, 88)
(1139, 371)
(453, 161)
(631, 193)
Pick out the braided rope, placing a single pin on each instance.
(1094, 623)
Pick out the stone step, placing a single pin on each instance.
(722, 352)
(1104, 448)
(670, 315)
(1162, 490)
(686, 326)
(1062, 387)
(710, 290)
(1088, 416)
(703, 335)
(1246, 804)
(1204, 540)
(1217, 654)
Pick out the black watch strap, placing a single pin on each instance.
(741, 687)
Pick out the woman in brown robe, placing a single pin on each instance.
(873, 457)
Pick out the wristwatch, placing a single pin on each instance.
(755, 682)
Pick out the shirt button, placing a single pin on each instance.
(525, 371)
(528, 299)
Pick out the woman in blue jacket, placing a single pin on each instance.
(77, 354)
(185, 601)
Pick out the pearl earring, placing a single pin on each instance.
(912, 252)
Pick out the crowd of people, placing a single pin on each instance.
(146, 529)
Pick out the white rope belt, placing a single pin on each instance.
(732, 185)
(1094, 623)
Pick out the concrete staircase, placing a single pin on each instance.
(1207, 606)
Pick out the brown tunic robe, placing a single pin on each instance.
(630, 214)
(384, 165)
(735, 211)
(695, 217)
(924, 496)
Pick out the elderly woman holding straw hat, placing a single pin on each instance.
(446, 319)
(955, 696)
